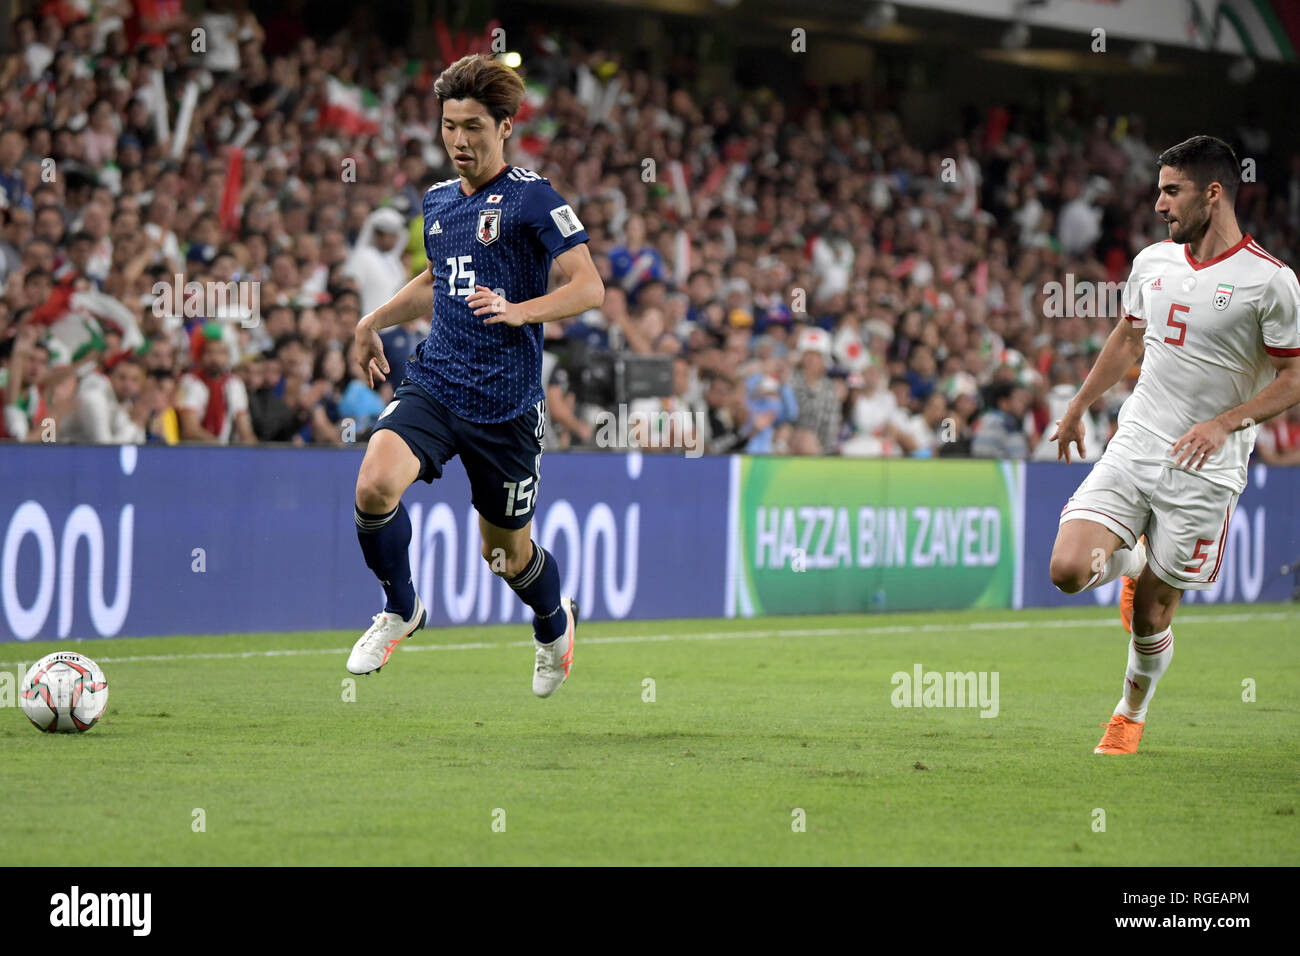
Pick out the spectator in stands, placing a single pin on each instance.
(771, 418)
(108, 409)
(376, 260)
(873, 414)
(359, 402)
(922, 435)
(12, 192)
(817, 428)
(329, 379)
(25, 371)
(565, 427)
(158, 398)
(270, 415)
(39, 397)
(963, 408)
(1080, 220)
(726, 416)
(921, 371)
(213, 403)
(635, 262)
(832, 258)
(700, 292)
(159, 354)
(940, 281)
(17, 231)
(999, 432)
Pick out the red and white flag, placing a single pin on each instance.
(351, 109)
(230, 206)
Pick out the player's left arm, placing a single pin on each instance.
(584, 290)
(1201, 441)
(1280, 327)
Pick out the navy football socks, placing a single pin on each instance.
(384, 541)
(538, 586)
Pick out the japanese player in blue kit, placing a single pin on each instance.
(474, 388)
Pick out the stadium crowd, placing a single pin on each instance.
(819, 283)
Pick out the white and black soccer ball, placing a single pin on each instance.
(64, 693)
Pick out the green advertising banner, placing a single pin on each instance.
(813, 535)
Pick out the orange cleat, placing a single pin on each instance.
(1126, 593)
(1121, 736)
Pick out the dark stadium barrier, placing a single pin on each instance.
(101, 542)
(107, 541)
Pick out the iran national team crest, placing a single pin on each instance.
(489, 226)
(1222, 295)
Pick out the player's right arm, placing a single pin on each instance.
(414, 300)
(1122, 349)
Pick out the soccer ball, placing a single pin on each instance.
(64, 693)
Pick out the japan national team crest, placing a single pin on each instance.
(489, 226)
(1222, 296)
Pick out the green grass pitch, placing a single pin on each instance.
(751, 721)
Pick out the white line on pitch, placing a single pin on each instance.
(698, 636)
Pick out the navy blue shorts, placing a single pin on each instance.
(503, 459)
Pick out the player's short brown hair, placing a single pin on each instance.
(1205, 160)
(478, 77)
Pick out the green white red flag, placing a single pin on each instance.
(350, 109)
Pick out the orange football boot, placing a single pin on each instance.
(1121, 736)
(1126, 593)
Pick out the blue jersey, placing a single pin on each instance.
(503, 236)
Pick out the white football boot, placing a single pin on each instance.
(554, 660)
(376, 645)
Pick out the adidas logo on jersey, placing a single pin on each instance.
(436, 228)
(1155, 286)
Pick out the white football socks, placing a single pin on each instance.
(1126, 561)
(1148, 659)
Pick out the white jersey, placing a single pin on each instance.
(194, 396)
(1210, 328)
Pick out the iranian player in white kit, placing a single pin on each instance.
(1216, 322)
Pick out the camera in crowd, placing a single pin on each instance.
(607, 378)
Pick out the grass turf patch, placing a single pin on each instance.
(751, 722)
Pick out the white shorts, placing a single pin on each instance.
(1184, 516)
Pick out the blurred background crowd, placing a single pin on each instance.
(822, 278)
